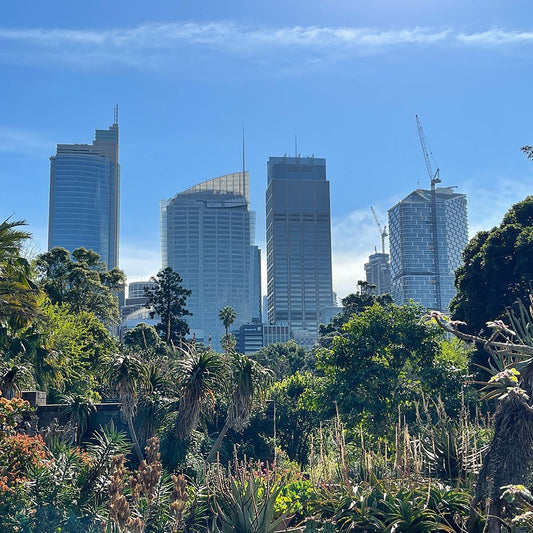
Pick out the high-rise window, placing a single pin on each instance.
(298, 244)
(84, 196)
(428, 232)
(207, 237)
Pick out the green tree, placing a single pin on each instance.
(375, 365)
(18, 293)
(168, 300)
(144, 337)
(300, 409)
(285, 358)
(81, 281)
(227, 316)
(199, 375)
(248, 381)
(69, 348)
(497, 269)
(354, 303)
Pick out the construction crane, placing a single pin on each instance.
(434, 179)
(382, 232)
(428, 155)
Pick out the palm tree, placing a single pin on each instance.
(80, 411)
(249, 380)
(154, 403)
(227, 316)
(12, 378)
(127, 374)
(17, 291)
(200, 374)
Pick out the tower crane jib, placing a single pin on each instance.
(383, 232)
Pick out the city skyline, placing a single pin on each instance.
(343, 80)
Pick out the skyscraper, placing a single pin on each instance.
(298, 244)
(377, 272)
(208, 238)
(84, 196)
(428, 232)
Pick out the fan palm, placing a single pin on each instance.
(227, 316)
(200, 373)
(127, 374)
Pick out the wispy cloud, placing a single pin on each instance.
(155, 44)
(24, 142)
(139, 261)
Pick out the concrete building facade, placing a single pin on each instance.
(377, 272)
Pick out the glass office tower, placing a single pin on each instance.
(298, 228)
(208, 238)
(84, 196)
(427, 236)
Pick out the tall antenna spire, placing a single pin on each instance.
(243, 165)
(115, 121)
(295, 146)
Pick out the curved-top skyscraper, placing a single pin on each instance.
(84, 196)
(208, 238)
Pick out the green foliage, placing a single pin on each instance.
(496, 269)
(395, 506)
(81, 281)
(300, 410)
(70, 349)
(227, 316)
(168, 300)
(379, 363)
(244, 501)
(285, 358)
(18, 293)
(199, 374)
(144, 338)
(353, 304)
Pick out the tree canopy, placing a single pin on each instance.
(81, 281)
(497, 269)
(383, 359)
(168, 300)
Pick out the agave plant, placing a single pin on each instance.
(245, 501)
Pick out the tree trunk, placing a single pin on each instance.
(508, 459)
(133, 436)
(218, 442)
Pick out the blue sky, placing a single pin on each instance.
(347, 77)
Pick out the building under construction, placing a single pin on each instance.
(428, 232)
